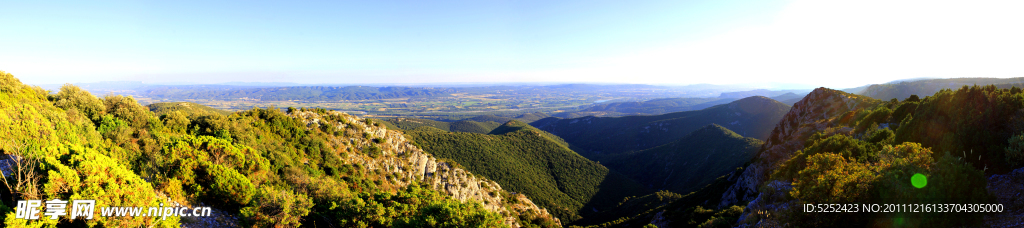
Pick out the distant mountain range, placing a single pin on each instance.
(926, 87)
(457, 126)
(760, 92)
(650, 107)
(750, 117)
(789, 98)
(480, 124)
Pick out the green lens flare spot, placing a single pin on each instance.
(919, 180)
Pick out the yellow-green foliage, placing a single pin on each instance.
(270, 166)
(70, 162)
(1015, 151)
(522, 159)
(176, 122)
(229, 185)
(278, 207)
(227, 170)
(412, 207)
(129, 110)
(832, 178)
(722, 218)
(71, 96)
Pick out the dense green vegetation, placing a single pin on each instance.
(283, 168)
(978, 119)
(953, 138)
(751, 117)
(524, 159)
(693, 209)
(688, 163)
(61, 155)
(266, 165)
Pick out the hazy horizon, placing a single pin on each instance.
(799, 43)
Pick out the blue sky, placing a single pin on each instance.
(819, 43)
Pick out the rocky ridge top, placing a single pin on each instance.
(820, 110)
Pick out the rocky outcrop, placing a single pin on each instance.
(400, 158)
(820, 110)
(1009, 191)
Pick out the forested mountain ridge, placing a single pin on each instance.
(836, 147)
(264, 166)
(689, 163)
(536, 163)
(751, 117)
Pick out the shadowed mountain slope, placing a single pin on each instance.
(597, 136)
(689, 163)
(524, 159)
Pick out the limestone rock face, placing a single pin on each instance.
(399, 157)
(820, 110)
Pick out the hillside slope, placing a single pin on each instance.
(597, 136)
(60, 154)
(808, 116)
(263, 167)
(835, 147)
(689, 163)
(526, 160)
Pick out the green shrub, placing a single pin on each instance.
(277, 208)
(1015, 150)
(71, 96)
(229, 185)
